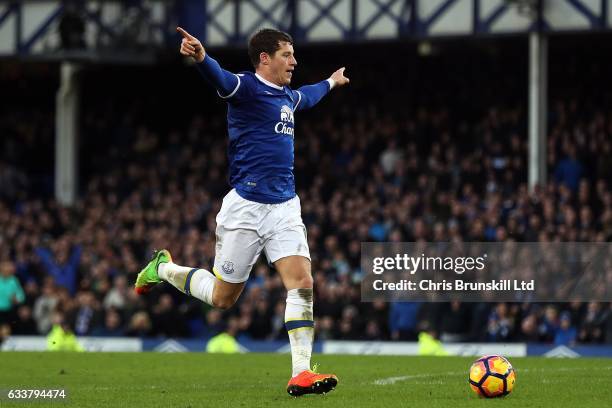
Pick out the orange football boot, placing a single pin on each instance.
(309, 382)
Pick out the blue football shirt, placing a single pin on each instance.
(261, 123)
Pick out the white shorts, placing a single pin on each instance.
(245, 228)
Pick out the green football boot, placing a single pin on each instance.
(147, 278)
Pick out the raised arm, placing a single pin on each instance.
(225, 82)
(46, 258)
(310, 95)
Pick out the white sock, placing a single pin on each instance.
(299, 322)
(170, 272)
(201, 282)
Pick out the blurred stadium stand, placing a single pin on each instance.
(429, 143)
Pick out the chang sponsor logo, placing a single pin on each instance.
(285, 126)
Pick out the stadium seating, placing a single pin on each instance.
(436, 156)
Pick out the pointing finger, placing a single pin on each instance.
(185, 34)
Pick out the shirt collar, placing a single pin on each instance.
(266, 82)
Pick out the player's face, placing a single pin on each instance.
(283, 63)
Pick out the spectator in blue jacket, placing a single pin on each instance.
(62, 264)
(565, 333)
(403, 320)
(569, 170)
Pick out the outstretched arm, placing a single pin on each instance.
(310, 95)
(224, 81)
(45, 257)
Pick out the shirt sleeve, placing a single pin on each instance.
(308, 96)
(75, 258)
(46, 259)
(18, 291)
(225, 82)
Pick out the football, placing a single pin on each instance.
(492, 376)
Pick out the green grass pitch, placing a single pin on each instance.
(258, 380)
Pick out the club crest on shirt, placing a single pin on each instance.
(286, 114)
(286, 117)
(228, 267)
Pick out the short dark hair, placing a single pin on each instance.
(266, 40)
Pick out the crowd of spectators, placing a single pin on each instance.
(370, 166)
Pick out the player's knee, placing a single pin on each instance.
(304, 281)
(223, 302)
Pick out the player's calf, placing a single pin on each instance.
(226, 294)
